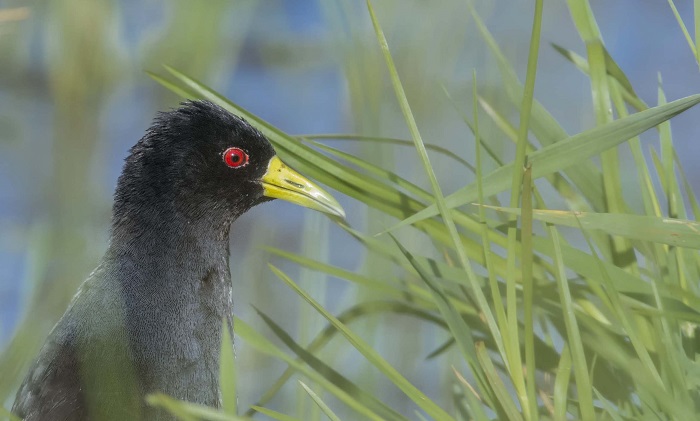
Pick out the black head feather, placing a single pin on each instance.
(177, 169)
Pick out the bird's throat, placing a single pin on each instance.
(176, 300)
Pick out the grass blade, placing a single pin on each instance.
(274, 414)
(561, 384)
(332, 375)
(259, 342)
(188, 411)
(563, 154)
(351, 315)
(437, 191)
(501, 391)
(573, 335)
(326, 410)
(370, 354)
(681, 24)
(387, 140)
(460, 331)
(674, 232)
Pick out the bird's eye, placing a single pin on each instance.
(235, 157)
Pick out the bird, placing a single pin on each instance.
(149, 318)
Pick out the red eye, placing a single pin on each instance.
(235, 157)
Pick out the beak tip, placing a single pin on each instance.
(331, 207)
(282, 182)
(340, 213)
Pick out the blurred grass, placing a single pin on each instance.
(570, 296)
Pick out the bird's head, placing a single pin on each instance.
(201, 161)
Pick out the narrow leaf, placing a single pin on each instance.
(675, 232)
(370, 354)
(565, 153)
(326, 410)
(274, 414)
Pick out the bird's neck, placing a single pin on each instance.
(171, 247)
(176, 288)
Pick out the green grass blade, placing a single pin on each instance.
(694, 206)
(525, 110)
(325, 408)
(616, 73)
(437, 269)
(460, 330)
(608, 406)
(500, 389)
(472, 126)
(371, 355)
(612, 185)
(255, 339)
(391, 288)
(565, 153)
(274, 414)
(621, 311)
(651, 203)
(441, 349)
(351, 315)
(499, 308)
(177, 90)
(527, 400)
(528, 288)
(437, 191)
(381, 173)
(671, 184)
(561, 384)
(681, 24)
(675, 232)
(565, 188)
(314, 242)
(172, 405)
(188, 411)
(653, 394)
(332, 375)
(573, 335)
(613, 69)
(387, 140)
(474, 405)
(584, 175)
(415, 134)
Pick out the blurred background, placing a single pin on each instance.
(75, 96)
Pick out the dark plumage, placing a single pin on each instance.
(148, 319)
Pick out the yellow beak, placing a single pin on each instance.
(281, 182)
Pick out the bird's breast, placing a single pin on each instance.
(175, 334)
